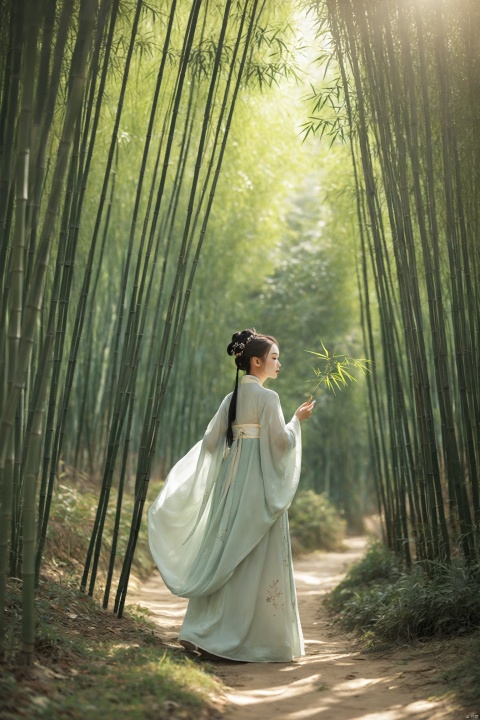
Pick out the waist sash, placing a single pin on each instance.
(249, 431)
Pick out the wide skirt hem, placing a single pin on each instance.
(240, 657)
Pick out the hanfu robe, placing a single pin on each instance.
(218, 532)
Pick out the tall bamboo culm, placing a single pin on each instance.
(405, 68)
(77, 381)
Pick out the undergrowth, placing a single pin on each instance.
(463, 676)
(314, 523)
(87, 662)
(71, 522)
(387, 604)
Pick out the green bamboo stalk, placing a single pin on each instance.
(56, 331)
(16, 300)
(35, 293)
(405, 142)
(376, 231)
(455, 472)
(47, 13)
(118, 509)
(377, 421)
(167, 229)
(461, 287)
(11, 92)
(72, 206)
(412, 298)
(80, 314)
(10, 101)
(399, 483)
(47, 93)
(19, 243)
(120, 405)
(85, 383)
(406, 264)
(126, 380)
(190, 121)
(145, 459)
(29, 518)
(34, 297)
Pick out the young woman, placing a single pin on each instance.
(218, 531)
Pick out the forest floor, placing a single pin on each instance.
(338, 677)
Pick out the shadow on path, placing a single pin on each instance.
(333, 680)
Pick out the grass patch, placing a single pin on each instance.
(387, 604)
(464, 676)
(71, 522)
(90, 663)
(315, 523)
(434, 610)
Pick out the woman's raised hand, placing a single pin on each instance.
(305, 410)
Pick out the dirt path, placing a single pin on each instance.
(333, 680)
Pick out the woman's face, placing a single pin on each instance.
(268, 367)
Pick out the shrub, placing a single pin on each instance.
(379, 563)
(71, 522)
(315, 523)
(394, 605)
(446, 601)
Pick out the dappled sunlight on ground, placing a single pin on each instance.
(167, 609)
(333, 680)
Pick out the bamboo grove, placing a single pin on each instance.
(95, 289)
(409, 73)
(115, 117)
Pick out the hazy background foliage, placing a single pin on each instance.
(278, 256)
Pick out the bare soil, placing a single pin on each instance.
(336, 678)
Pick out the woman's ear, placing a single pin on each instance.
(256, 361)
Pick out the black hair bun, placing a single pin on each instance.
(234, 342)
(239, 341)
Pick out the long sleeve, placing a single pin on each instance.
(177, 517)
(216, 431)
(281, 454)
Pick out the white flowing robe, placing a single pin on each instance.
(218, 532)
